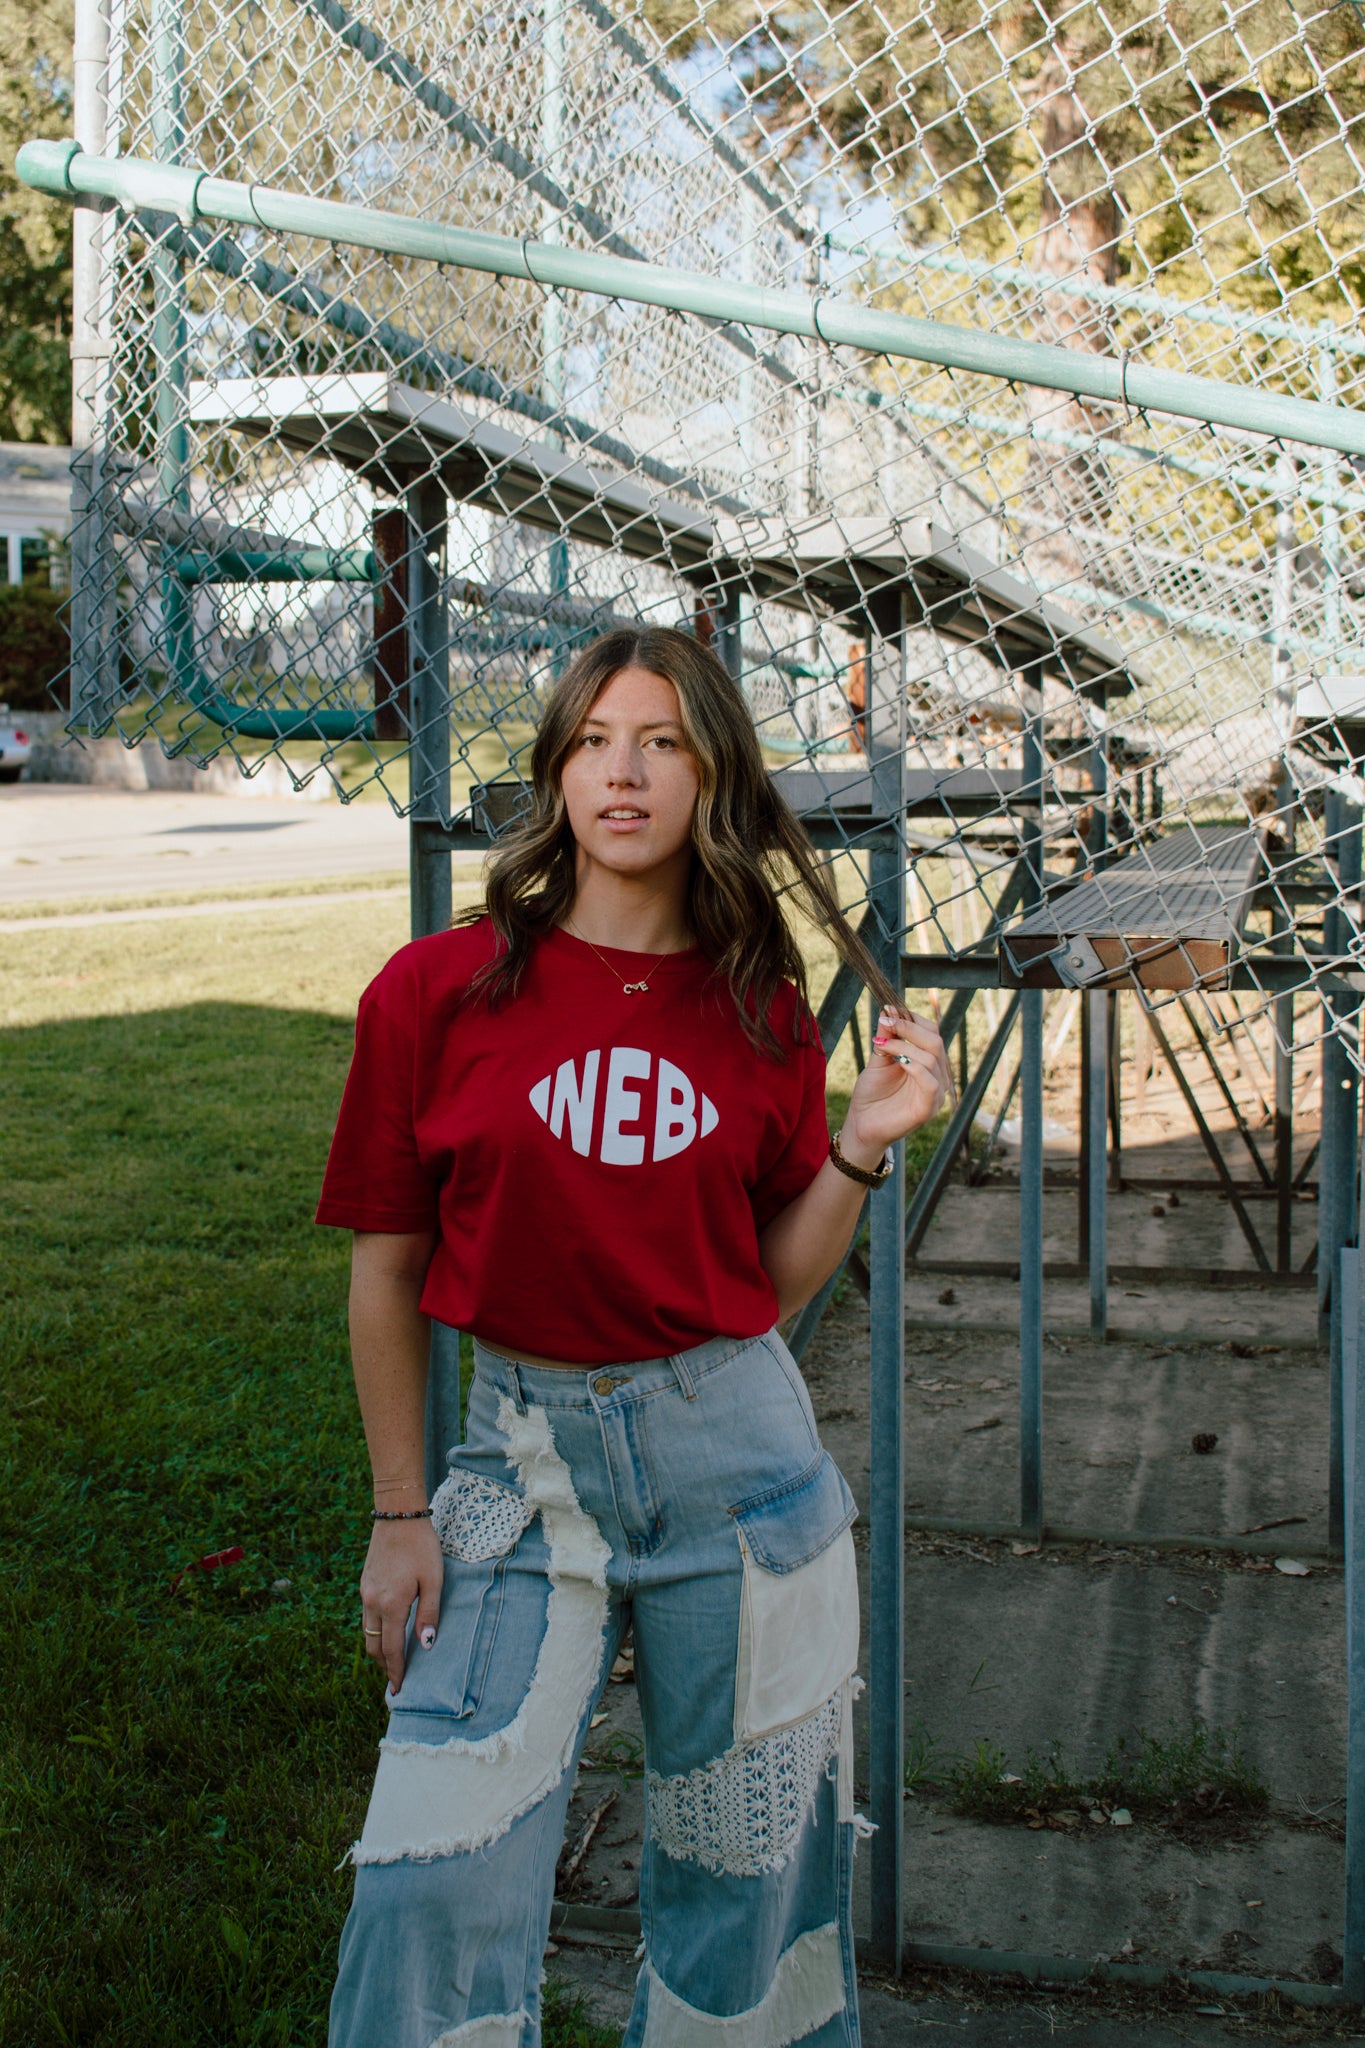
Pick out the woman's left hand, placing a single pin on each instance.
(901, 1087)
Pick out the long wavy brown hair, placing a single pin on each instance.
(750, 853)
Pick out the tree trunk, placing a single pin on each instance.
(1078, 231)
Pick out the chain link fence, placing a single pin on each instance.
(286, 435)
(982, 378)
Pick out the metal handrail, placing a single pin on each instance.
(137, 183)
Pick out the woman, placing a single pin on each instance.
(589, 1127)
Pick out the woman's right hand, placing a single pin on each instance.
(403, 1564)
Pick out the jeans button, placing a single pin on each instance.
(603, 1384)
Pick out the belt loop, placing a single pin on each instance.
(683, 1376)
(518, 1396)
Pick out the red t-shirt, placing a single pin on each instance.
(597, 1165)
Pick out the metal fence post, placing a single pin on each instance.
(94, 621)
(1031, 1266)
(169, 337)
(429, 855)
(886, 1261)
(1097, 1002)
(552, 312)
(1351, 1289)
(1031, 1167)
(886, 1562)
(1337, 1192)
(429, 670)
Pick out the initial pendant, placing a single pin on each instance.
(634, 988)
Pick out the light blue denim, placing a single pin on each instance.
(690, 1499)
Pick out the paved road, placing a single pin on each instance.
(62, 842)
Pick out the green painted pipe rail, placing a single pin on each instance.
(259, 565)
(137, 184)
(255, 722)
(282, 565)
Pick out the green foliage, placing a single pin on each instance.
(1221, 140)
(927, 1763)
(566, 2023)
(1188, 1778)
(35, 645)
(35, 230)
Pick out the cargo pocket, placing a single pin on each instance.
(478, 1522)
(798, 1625)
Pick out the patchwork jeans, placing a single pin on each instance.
(688, 1498)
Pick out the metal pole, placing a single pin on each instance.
(1096, 1009)
(1328, 1167)
(1331, 515)
(139, 184)
(1284, 1115)
(1282, 597)
(429, 670)
(428, 666)
(169, 340)
(1031, 1165)
(886, 1309)
(1084, 1162)
(1114, 1056)
(94, 622)
(1337, 1190)
(443, 1402)
(552, 311)
(1352, 1291)
(886, 1546)
(1031, 1268)
(1097, 1004)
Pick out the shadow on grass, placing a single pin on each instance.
(187, 1762)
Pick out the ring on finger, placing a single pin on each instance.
(374, 1631)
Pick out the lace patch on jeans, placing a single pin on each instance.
(742, 1812)
(477, 1518)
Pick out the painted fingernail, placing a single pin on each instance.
(427, 1638)
(881, 1041)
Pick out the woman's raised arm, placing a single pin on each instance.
(900, 1088)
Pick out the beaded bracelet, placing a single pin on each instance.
(400, 1514)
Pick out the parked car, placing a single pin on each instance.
(15, 746)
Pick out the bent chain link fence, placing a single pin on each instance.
(858, 350)
(297, 447)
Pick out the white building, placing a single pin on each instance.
(35, 507)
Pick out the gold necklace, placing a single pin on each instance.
(628, 988)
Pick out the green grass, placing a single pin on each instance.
(1190, 1779)
(232, 892)
(185, 1765)
(187, 1758)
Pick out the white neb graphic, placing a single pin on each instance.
(681, 1113)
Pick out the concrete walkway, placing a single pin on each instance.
(58, 842)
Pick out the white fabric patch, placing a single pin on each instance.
(476, 1518)
(807, 1990)
(495, 2030)
(798, 1637)
(742, 1812)
(844, 1765)
(434, 1799)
